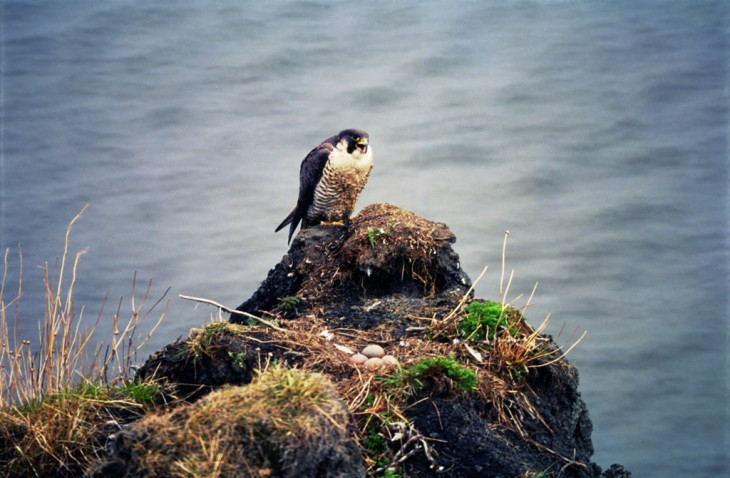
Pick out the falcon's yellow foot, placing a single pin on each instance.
(334, 223)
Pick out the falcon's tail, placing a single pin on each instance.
(288, 220)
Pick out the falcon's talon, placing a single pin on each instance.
(333, 223)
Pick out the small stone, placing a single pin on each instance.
(389, 360)
(358, 359)
(374, 362)
(373, 351)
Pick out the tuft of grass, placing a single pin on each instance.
(373, 442)
(237, 358)
(388, 473)
(144, 393)
(57, 393)
(51, 435)
(277, 422)
(63, 432)
(287, 304)
(293, 391)
(375, 234)
(546, 473)
(200, 344)
(513, 357)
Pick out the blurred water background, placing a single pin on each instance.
(595, 132)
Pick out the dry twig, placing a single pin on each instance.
(232, 311)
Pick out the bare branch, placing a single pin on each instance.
(231, 311)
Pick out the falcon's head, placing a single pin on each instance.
(353, 140)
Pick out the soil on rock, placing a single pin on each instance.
(388, 264)
(217, 356)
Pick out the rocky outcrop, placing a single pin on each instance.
(388, 264)
(496, 400)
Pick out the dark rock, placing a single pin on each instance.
(388, 264)
(616, 471)
(384, 275)
(195, 366)
(470, 445)
(466, 447)
(558, 401)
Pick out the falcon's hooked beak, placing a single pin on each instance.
(362, 145)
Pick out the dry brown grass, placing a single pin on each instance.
(61, 434)
(278, 423)
(54, 391)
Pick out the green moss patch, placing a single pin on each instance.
(483, 319)
(433, 373)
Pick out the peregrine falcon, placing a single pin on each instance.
(330, 179)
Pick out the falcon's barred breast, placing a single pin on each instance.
(330, 180)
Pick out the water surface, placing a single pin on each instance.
(595, 132)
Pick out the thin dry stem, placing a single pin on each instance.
(451, 316)
(64, 348)
(232, 311)
(504, 256)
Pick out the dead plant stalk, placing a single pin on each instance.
(64, 346)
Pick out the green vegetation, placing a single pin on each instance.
(483, 319)
(144, 393)
(66, 430)
(376, 449)
(539, 474)
(373, 442)
(297, 389)
(288, 303)
(388, 473)
(382, 410)
(433, 372)
(374, 234)
(200, 344)
(238, 358)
